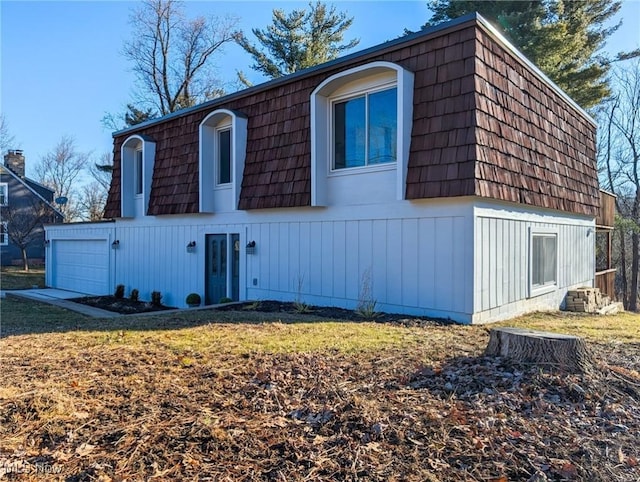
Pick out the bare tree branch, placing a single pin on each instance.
(24, 224)
(172, 55)
(619, 153)
(7, 140)
(60, 170)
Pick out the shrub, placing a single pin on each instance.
(366, 303)
(299, 305)
(193, 299)
(135, 295)
(224, 299)
(119, 294)
(156, 298)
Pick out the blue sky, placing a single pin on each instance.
(61, 67)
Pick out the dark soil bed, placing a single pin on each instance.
(331, 312)
(124, 306)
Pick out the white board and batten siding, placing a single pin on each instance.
(153, 256)
(415, 265)
(465, 259)
(415, 256)
(502, 259)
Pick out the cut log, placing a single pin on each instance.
(565, 352)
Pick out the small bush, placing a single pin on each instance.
(193, 299)
(255, 306)
(224, 299)
(156, 298)
(366, 303)
(119, 294)
(135, 295)
(301, 307)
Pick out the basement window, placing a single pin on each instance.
(543, 262)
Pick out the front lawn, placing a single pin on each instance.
(237, 395)
(14, 278)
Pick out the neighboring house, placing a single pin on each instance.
(25, 206)
(442, 171)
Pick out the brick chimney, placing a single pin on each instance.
(14, 160)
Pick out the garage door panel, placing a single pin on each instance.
(81, 265)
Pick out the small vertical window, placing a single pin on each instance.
(137, 174)
(224, 156)
(4, 194)
(4, 234)
(544, 260)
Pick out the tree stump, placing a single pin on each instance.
(565, 352)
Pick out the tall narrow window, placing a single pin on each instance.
(544, 260)
(365, 129)
(4, 194)
(4, 234)
(137, 175)
(224, 156)
(223, 145)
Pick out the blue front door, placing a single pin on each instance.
(216, 268)
(222, 279)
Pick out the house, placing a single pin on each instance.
(441, 172)
(25, 206)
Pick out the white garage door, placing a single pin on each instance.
(81, 265)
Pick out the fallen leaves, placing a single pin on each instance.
(429, 413)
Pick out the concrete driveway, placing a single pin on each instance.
(61, 298)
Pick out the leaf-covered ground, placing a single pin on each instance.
(281, 401)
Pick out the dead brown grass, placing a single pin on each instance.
(14, 278)
(200, 400)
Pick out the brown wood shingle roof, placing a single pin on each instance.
(484, 124)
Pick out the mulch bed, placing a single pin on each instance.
(333, 313)
(124, 306)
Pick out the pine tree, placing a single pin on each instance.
(563, 38)
(299, 39)
(134, 116)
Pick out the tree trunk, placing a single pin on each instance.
(635, 267)
(25, 259)
(623, 264)
(556, 350)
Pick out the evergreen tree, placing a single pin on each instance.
(563, 38)
(299, 39)
(134, 116)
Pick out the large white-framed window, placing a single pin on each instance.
(137, 157)
(361, 120)
(223, 145)
(4, 194)
(364, 128)
(543, 261)
(4, 233)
